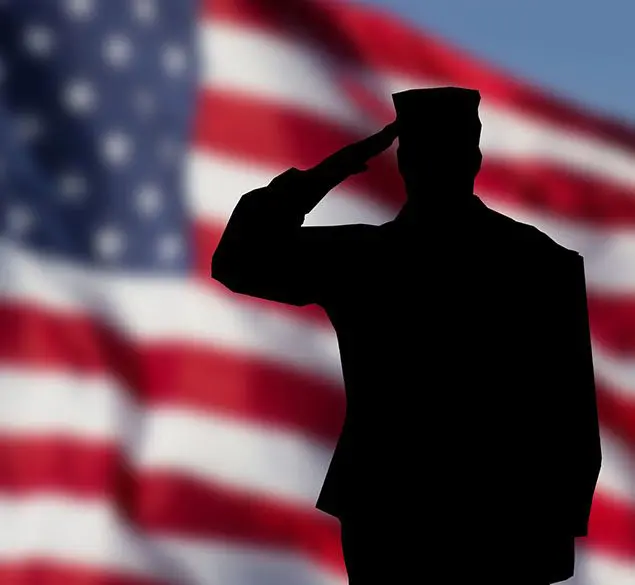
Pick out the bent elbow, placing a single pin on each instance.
(231, 273)
(220, 270)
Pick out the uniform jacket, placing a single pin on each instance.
(466, 356)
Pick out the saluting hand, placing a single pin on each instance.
(347, 161)
(352, 158)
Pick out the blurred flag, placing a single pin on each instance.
(155, 428)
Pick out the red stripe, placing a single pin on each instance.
(617, 412)
(45, 572)
(612, 527)
(379, 41)
(612, 321)
(166, 502)
(210, 379)
(571, 194)
(183, 507)
(227, 124)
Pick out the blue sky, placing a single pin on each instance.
(581, 49)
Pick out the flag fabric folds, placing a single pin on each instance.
(156, 428)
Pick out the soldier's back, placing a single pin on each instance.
(437, 331)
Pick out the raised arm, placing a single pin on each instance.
(265, 252)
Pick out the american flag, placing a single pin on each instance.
(154, 427)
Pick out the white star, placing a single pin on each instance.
(80, 9)
(144, 103)
(117, 51)
(174, 59)
(109, 243)
(116, 148)
(19, 220)
(80, 96)
(145, 11)
(149, 200)
(29, 127)
(73, 186)
(39, 40)
(169, 247)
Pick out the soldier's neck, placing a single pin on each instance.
(440, 197)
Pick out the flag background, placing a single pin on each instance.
(155, 427)
(577, 50)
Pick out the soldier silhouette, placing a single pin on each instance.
(470, 446)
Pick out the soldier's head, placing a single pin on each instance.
(439, 133)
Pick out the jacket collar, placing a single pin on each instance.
(471, 208)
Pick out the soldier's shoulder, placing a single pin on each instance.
(534, 240)
(347, 241)
(344, 232)
(347, 244)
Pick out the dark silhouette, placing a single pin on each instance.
(470, 447)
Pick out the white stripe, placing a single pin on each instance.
(609, 253)
(616, 373)
(203, 445)
(617, 475)
(90, 533)
(92, 408)
(135, 306)
(215, 184)
(60, 529)
(226, 62)
(227, 563)
(272, 67)
(594, 568)
(242, 455)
